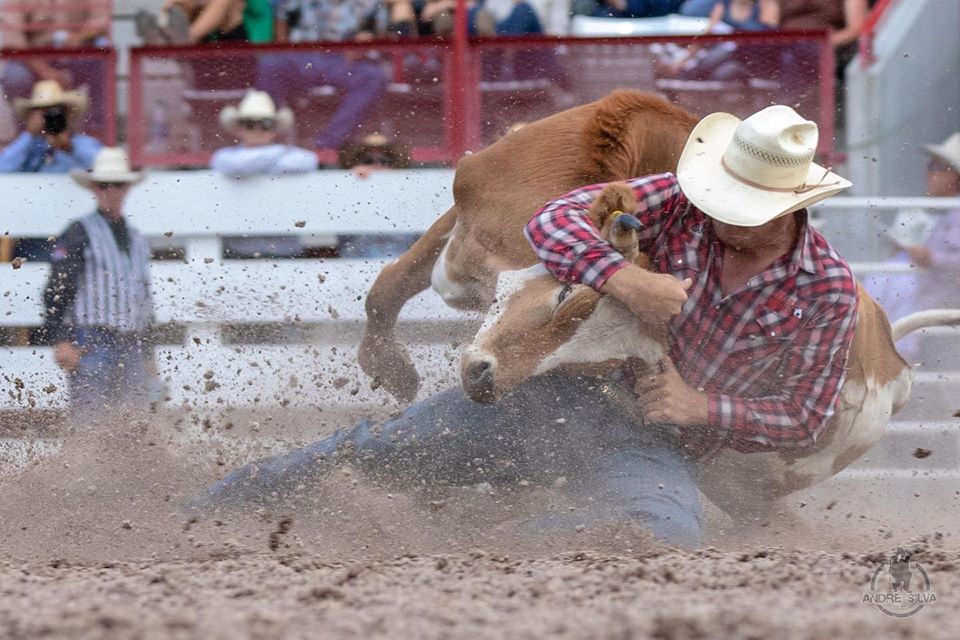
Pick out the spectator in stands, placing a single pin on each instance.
(938, 281)
(361, 82)
(97, 299)
(930, 242)
(844, 19)
(53, 24)
(745, 15)
(374, 152)
(193, 21)
(257, 124)
(49, 143)
(520, 19)
(626, 8)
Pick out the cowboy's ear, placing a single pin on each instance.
(615, 196)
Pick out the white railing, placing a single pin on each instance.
(205, 293)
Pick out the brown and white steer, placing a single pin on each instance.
(538, 324)
(624, 135)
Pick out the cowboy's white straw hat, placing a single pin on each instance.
(111, 164)
(748, 172)
(948, 151)
(256, 105)
(49, 93)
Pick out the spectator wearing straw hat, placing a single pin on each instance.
(938, 281)
(49, 144)
(97, 299)
(257, 124)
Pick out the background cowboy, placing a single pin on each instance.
(257, 125)
(761, 342)
(98, 298)
(938, 279)
(49, 144)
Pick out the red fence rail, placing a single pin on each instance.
(442, 101)
(869, 32)
(89, 70)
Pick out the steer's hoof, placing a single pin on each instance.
(390, 366)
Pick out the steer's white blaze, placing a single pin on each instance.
(611, 332)
(508, 283)
(449, 290)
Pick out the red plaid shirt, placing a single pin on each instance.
(770, 356)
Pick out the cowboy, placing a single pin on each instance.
(743, 276)
(49, 144)
(257, 123)
(938, 253)
(97, 299)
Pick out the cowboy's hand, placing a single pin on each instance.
(655, 297)
(34, 122)
(67, 355)
(62, 141)
(665, 398)
(919, 255)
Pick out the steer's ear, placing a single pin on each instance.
(614, 197)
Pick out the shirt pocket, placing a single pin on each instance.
(771, 331)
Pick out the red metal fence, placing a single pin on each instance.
(88, 70)
(441, 104)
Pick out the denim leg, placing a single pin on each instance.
(446, 438)
(112, 373)
(522, 20)
(650, 484)
(280, 74)
(361, 84)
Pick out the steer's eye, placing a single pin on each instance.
(564, 292)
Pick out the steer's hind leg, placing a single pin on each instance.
(381, 356)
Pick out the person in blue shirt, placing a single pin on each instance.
(49, 144)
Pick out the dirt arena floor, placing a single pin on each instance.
(95, 546)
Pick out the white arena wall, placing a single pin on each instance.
(314, 367)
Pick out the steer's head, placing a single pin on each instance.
(537, 324)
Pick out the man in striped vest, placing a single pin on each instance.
(97, 301)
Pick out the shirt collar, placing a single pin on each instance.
(806, 252)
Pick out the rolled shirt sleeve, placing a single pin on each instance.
(570, 246)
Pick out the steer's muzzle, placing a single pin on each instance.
(477, 374)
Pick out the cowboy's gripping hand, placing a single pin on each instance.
(654, 297)
(665, 398)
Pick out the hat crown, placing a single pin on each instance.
(111, 160)
(257, 105)
(773, 148)
(46, 91)
(948, 151)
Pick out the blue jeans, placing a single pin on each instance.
(112, 373)
(552, 426)
(361, 83)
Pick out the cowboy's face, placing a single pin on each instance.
(257, 133)
(110, 197)
(751, 238)
(942, 180)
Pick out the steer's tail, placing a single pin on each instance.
(924, 319)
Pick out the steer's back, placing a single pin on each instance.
(624, 135)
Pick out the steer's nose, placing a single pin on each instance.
(477, 378)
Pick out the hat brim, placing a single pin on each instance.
(720, 195)
(71, 100)
(89, 178)
(230, 118)
(942, 154)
